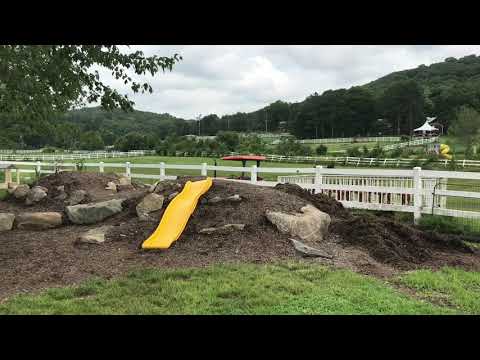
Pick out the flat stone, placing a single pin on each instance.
(39, 220)
(150, 203)
(61, 188)
(234, 198)
(214, 200)
(111, 186)
(36, 194)
(94, 212)
(310, 226)
(6, 221)
(21, 191)
(222, 229)
(308, 251)
(76, 197)
(95, 236)
(123, 180)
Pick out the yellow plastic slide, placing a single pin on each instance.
(177, 214)
(444, 151)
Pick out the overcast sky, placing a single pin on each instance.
(227, 79)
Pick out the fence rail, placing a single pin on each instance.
(415, 142)
(80, 155)
(351, 139)
(415, 190)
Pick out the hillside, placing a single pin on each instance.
(402, 99)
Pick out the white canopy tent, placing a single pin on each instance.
(426, 129)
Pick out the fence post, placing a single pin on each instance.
(38, 168)
(318, 178)
(128, 171)
(417, 194)
(101, 168)
(204, 169)
(162, 171)
(253, 177)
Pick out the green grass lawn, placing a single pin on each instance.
(457, 288)
(284, 288)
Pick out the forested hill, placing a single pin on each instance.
(402, 99)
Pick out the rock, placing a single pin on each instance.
(172, 196)
(39, 220)
(62, 196)
(234, 198)
(214, 200)
(311, 226)
(94, 212)
(21, 191)
(6, 221)
(111, 186)
(61, 188)
(123, 180)
(151, 202)
(41, 188)
(94, 236)
(76, 197)
(126, 187)
(35, 195)
(308, 251)
(222, 229)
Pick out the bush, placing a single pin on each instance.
(321, 150)
(49, 150)
(441, 224)
(404, 138)
(354, 152)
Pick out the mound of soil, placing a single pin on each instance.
(385, 240)
(33, 260)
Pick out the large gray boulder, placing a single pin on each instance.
(94, 236)
(311, 226)
(76, 197)
(6, 221)
(39, 220)
(36, 194)
(151, 202)
(94, 212)
(21, 191)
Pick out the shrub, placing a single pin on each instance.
(321, 150)
(354, 152)
(49, 150)
(441, 224)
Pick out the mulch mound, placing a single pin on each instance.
(33, 260)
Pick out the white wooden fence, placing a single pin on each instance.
(415, 142)
(351, 140)
(373, 189)
(77, 155)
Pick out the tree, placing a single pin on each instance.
(91, 140)
(38, 80)
(132, 141)
(466, 126)
(229, 138)
(402, 104)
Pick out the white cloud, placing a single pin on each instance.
(225, 79)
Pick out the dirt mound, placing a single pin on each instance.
(385, 240)
(32, 260)
(93, 183)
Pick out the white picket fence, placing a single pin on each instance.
(367, 161)
(77, 155)
(416, 142)
(372, 189)
(351, 140)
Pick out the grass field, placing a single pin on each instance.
(284, 288)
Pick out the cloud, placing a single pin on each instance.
(225, 79)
